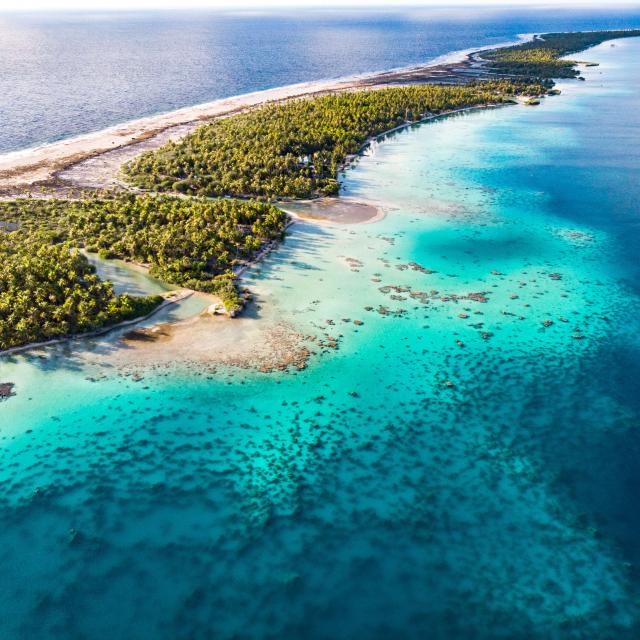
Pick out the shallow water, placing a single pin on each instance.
(403, 486)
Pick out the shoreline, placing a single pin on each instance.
(351, 210)
(93, 160)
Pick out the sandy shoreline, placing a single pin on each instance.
(93, 160)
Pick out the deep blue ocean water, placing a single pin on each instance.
(455, 470)
(65, 74)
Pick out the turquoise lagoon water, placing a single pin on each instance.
(455, 469)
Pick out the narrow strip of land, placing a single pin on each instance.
(93, 160)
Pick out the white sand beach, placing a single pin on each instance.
(93, 160)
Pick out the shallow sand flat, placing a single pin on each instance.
(337, 210)
(212, 341)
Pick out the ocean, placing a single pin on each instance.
(466, 464)
(63, 74)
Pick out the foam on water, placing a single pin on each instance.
(456, 469)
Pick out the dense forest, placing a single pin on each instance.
(295, 149)
(541, 58)
(48, 289)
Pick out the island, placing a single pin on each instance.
(196, 210)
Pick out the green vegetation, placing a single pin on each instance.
(541, 58)
(49, 290)
(189, 242)
(295, 149)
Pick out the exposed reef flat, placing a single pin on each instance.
(240, 344)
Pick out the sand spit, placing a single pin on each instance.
(342, 210)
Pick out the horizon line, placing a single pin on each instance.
(240, 7)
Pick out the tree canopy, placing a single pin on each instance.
(48, 289)
(295, 149)
(193, 243)
(543, 57)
